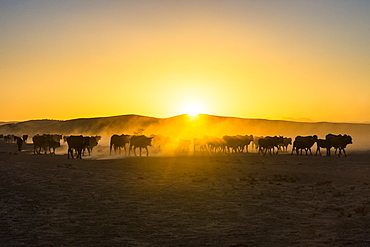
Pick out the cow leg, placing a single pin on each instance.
(147, 153)
(70, 151)
(340, 152)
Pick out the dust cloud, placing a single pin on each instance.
(175, 135)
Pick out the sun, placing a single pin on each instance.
(192, 108)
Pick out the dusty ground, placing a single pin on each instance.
(223, 200)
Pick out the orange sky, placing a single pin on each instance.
(271, 59)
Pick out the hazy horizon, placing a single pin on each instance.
(278, 60)
(289, 119)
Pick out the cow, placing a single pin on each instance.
(269, 143)
(65, 139)
(232, 142)
(91, 142)
(255, 141)
(19, 142)
(76, 143)
(215, 144)
(39, 142)
(338, 142)
(25, 138)
(140, 142)
(45, 142)
(285, 143)
(159, 143)
(54, 142)
(322, 143)
(183, 146)
(244, 142)
(118, 142)
(53, 145)
(10, 138)
(303, 142)
(200, 144)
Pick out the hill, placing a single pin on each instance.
(186, 127)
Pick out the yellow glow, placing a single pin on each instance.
(193, 108)
(191, 59)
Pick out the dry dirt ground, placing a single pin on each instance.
(218, 200)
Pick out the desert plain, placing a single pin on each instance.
(183, 200)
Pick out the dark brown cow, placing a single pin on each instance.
(76, 143)
(53, 145)
(91, 142)
(285, 143)
(216, 145)
(304, 142)
(19, 142)
(45, 142)
(118, 142)
(255, 142)
(25, 138)
(39, 142)
(244, 142)
(322, 143)
(338, 142)
(140, 142)
(268, 144)
(233, 143)
(200, 144)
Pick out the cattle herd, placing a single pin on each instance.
(79, 146)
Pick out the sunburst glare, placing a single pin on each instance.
(193, 108)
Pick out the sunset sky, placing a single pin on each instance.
(294, 60)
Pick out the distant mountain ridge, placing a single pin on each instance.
(184, 126)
